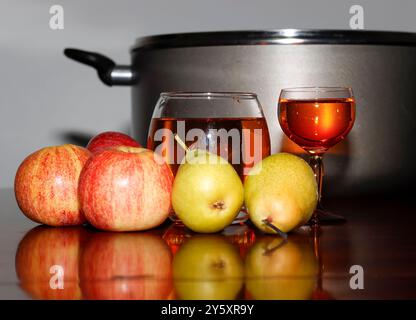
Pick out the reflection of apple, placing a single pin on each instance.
(207, 267)
(110, 139)
(276, 270)
(126, 266)
(43, 248)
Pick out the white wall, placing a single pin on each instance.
(46, 99)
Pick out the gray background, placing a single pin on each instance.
(46, 99)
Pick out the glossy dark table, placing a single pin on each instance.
(171, 262)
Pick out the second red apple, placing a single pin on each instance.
(126, 189)
(110, 139)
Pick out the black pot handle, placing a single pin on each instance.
(109, 73)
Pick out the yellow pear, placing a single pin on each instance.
(280, 191)
(207, 192)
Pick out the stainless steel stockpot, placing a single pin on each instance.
(379, 153)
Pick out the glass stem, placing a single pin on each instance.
(315, 161)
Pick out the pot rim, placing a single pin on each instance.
(208, 94)
(279, 36)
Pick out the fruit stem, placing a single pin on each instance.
(181, 143)
(278, 231)
(268, 251)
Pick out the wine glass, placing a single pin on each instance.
(229, 124)
(317, 118)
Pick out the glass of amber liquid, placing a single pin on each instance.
(317, 118)
(229, 124)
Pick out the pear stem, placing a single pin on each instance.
(181, 143)
(268, 251)
(272, 226)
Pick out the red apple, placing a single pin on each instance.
(134, 266)
(46, 185)
(126, 189)
(41, 249)
(110, 139)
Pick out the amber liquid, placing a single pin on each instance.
(242, 141)
(317, 125)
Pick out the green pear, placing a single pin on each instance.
(207, 192)
(280, 190)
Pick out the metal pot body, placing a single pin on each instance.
(378, 154)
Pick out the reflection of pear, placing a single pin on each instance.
(126, 266)
(207, 192)
(41, 254)
(276, 270)
(207, 267)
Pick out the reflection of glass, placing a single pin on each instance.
(317, 118)
(207, 267)
(319, 293)
(241, 235)
(276, 269)
(47, 262)
(175, 236)
(231, 125)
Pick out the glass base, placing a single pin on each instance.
(324, 217)
(241, 217)
(173, 217)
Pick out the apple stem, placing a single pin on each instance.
(278, 231)
(181, 143)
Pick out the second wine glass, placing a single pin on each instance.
(317, 118)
